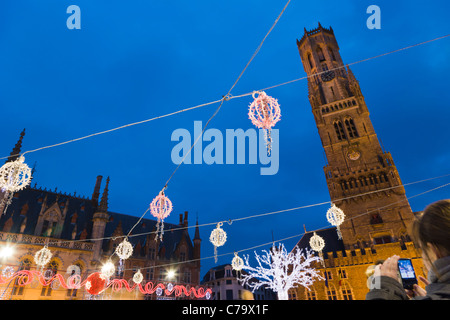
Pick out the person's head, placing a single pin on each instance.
(431, 231)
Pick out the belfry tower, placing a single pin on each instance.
(362, 178)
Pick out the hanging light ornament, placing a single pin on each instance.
(138, 277)
(124, 250)
(160, 208)
(42, 257)
(264, 112)
(237, 263)
(108, 269)
(14, 176)
(336, 217)
(218, 238)
(317, 244)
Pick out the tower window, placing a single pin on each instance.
(351, 128)
(310, 61)
(320, 54)
(331, 54)
(339, 128)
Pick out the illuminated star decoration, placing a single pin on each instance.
(264, 112)
(160, 208)
(336, 217)
(14, 176)
(280, 271)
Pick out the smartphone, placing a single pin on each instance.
(407, 273)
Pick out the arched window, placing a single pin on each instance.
(351, 128)
(310, 294)
(320, 54)
(331, 292)
(310, 60)
(346, 291)
(52, 269)
(339, 128)
(25, 264)
(330, 51)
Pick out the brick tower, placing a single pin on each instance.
(358, 167)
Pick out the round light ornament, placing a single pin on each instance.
(138, 277)
(14, 176)
(317, 243)
(124, 250)
(42, 257)
(237, 263)
(336, 217)
(264, 112)
(218, 238)
(160, 208)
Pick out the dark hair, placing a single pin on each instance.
(433, 227)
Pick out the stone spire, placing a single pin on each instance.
(17, 148)
(103, 206)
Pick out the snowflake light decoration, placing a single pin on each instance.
(317, 243)
(218, 238)
(160, 208)
(282, 270)
(42, 257)
(124, 250)
(14, 176)
(237, 263)
(264, 112)
(336, 217)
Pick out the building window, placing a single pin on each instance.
(346, 292)
(331, 292)
(330, 51)
(310, 61)
(351, 128)
(229, 294)
(382, 240)
(310, 294)
(25, 264)
(375, 219)
(292, 294)
(339, 128)
(320, 54)
(49, 273)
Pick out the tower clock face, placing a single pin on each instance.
(327, 76)
(353, 155)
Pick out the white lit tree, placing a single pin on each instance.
(280, 270)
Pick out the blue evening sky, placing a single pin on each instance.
(137, 59)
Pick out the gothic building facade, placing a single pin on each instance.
(362, 178)
(83, 232)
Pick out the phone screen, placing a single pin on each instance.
(407, 273)
(406, 269)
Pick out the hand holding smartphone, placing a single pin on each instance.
(407, 274)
